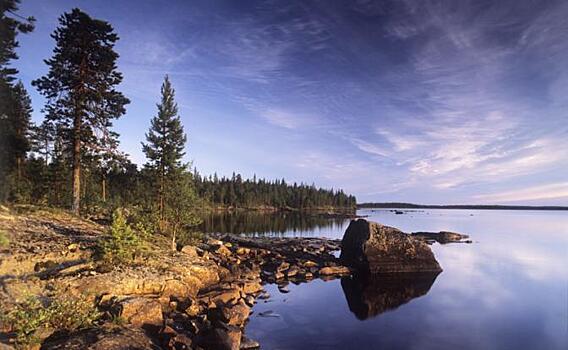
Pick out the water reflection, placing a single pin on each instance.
(272, 224)
(368, 297)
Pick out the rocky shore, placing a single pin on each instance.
(199, 297)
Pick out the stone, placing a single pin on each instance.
(221, 296)
(249, 344)
(334, 270)
(226, 337)
(243, 251)
(441, 237)
(310, 263)
(283, 266)
(374, 248)
(101, 338)
(236, 315)
(222, 250)
(140, 311)
(190, 251)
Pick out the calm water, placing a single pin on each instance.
(508, 290)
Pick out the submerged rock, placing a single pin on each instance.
(374, 248)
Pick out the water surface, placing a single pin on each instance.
(507, 290)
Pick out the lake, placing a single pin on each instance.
(507, 290)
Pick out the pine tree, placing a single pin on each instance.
(11, 24)
(80, 85)
(165, 150)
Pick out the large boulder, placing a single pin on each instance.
(374, 248)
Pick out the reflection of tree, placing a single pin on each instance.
(263, 224)
(370, 296)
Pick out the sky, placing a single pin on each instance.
(438, 102)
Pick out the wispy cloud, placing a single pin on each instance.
(548, 191)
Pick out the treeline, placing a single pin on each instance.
(72, 158)
(397, 205)
(255, 193)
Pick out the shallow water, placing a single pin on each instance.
(507, 290)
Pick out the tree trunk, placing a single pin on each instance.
(76, 164)
(19, 172)
(104, 188)
(174, 246)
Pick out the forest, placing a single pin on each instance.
(72, 159)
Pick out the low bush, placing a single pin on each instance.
(4, 240)
(123, 243)
(31, 318)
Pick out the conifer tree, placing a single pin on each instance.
(11, 24)
(165, 150)
(80, 85)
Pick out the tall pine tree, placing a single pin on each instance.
(172, 182)
(13, 99)
(80, 85)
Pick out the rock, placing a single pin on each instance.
(236, 315)
(284, 289)
(222, 250)
(283, 266)
(193, 309)
(251, 287)
(310, 263)
(243, 251)
(139, 311)
(225, 337)
(249, 344)
(100, 338)
(221, 296)
(249, 299)
(334, 270)
(292, 271)
(175, 288)
(375, 248)
(190, 250)
(442, 237)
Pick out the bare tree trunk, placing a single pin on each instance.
(19, 172)
(76, 164)
(104, 188)
(174, 246)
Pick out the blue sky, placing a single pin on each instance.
(419, 101)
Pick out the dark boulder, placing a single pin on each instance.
(373, 248)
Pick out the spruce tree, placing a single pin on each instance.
(172, 182)
(80, 85)
(11, 24)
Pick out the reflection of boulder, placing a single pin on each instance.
(370, 296)
(375, 248)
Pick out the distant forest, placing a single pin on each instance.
(255, 193)
(393, 205)
(71, 159)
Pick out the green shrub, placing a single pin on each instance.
(123, 244)
(31, 317)
(4, 240)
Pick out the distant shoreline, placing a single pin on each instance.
(465, 206)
